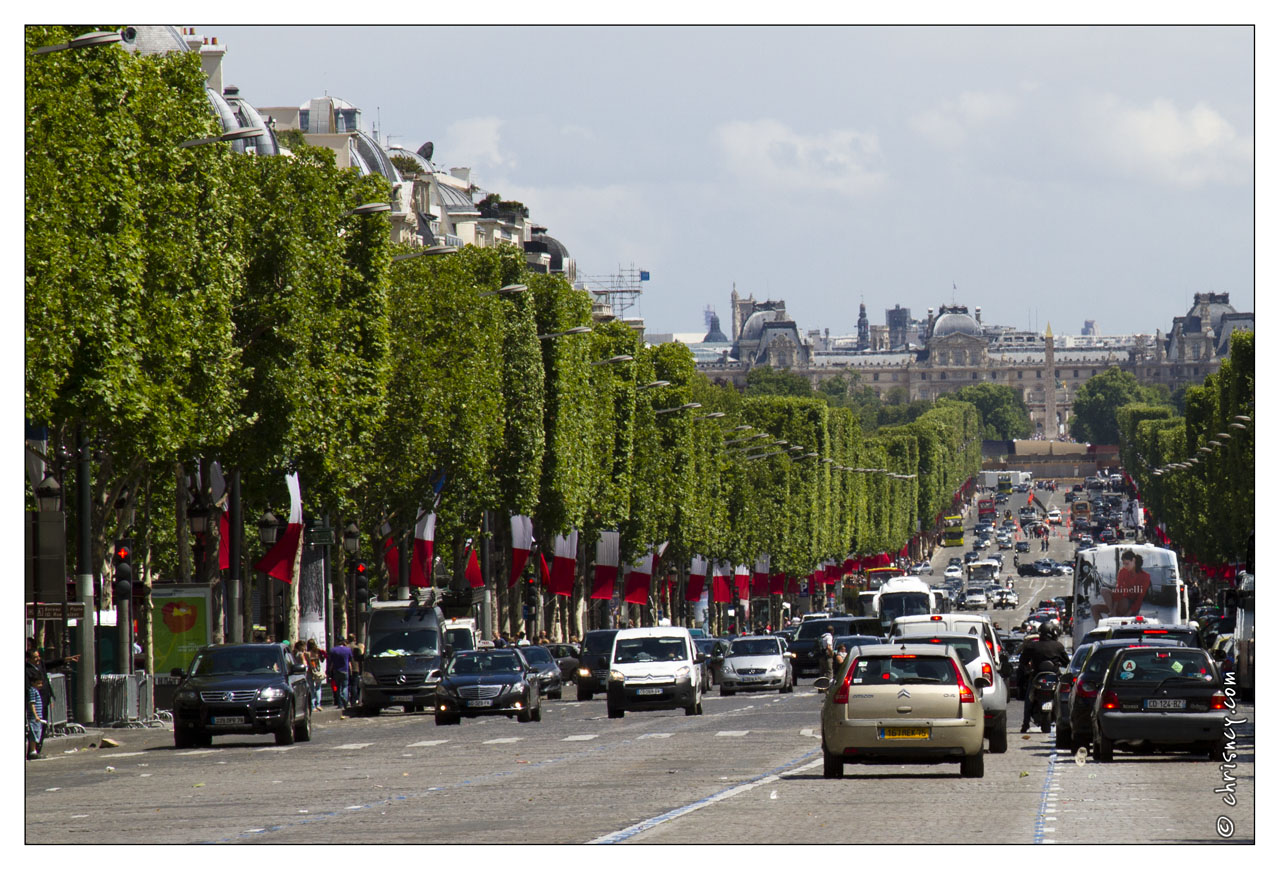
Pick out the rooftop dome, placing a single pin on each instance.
(754, 327)
(954, 322)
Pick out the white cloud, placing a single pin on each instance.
(950, 124)
(769, 153)
(475, 142)
(1183, 148)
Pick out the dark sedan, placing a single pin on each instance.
(247, 688)
(488, 681)
(1084, 688)
(550, 684)
(1164, 698)
(567, 657)
(713, 649)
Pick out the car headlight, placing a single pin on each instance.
(728, 668)
(584, 672)
(617, 677)
(187, 695)
(778, 668)
(683, 672)
(368, 679)
(271, 693)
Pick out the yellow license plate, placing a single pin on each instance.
(904, 733)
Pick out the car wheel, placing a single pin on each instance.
(182, 737)
(536, 713)
(1103, 749)
(616, 713)
(971, 766)
(1062, 740)
(1217, 750)
(368, 710)
(583, 694)
(202, 739)
(524, 716)
(999, 737)
(556, 695)
(284, 735)
(302, 731)
(725, 693)
(832, 765)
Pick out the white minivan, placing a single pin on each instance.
(654, 669)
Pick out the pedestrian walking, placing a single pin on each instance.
(339, 667)
(826, 652)
(35, 663)
(314, 671)
(357, 669)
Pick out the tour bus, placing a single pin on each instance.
(953, 531)
(1004, 482)
(1079, 510)
(986, 510)
(982, 571)
(877, 576)
(1127, 580)
(903, 596)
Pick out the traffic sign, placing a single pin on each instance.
(75, 610)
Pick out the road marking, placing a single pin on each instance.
(808, 732)
(657, 736)
(353, 746)
(122, 754)
(731, 733)
(275, 749)
(582, 737)
(763, 779)
(1047, 801)
(199, 752)
(426, 743)
(504, 740)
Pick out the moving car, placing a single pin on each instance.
(654, 669)
(567, 657)
(550, 683)
(903, 703)
(593, 664)
(975, 598)
(1165, 698)
(921, 568)
(402, 656)
(488, 682)
(980, 663)
(805, 646)
(953, 571)
(243, 688)
(757, 663)
(713, 650)
(1083, 694)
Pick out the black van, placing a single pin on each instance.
(593, 664)
(402, 657)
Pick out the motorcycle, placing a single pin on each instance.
(1043, 686)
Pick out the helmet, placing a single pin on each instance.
(1047, 631)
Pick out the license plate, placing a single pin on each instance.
(487, 702)
(652, 691)
(1167, 704)
(402, 699)
(228, 720)
(904, 733)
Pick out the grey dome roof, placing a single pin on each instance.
(754, 327)
(949, 324)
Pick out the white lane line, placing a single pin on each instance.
(504, 740)
(121, 754)
(808, 732)
(199, 752)
(275, 749)
(656, 736)
(731, 733)
(582, 737)
(353, 746)
(627, 833)
(426, 743)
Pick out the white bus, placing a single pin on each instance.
(1127, 580)
(903, 596)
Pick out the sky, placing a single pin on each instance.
(1050, 174)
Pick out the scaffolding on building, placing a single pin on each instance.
(620, 291)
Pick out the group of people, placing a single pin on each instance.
(339, 666)
(504, 639)
(39, 696)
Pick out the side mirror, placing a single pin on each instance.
(699, 659)
(176, 672)
(982, 683)
(447, 653)
(790, 655)
(297, 669)
(1219, 654)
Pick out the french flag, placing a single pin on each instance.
(639, 574)
(720, 592)
(281, 560)
(608, 552)
(521, 545)
(473, 575)
(424, 536)
(760, 577)
(562, 566)
(741, 577)
(697, 578)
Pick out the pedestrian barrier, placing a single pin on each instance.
(57, 712)
(127, 701)
(164, 688)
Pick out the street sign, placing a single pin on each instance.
(318, 535)
(75, 610)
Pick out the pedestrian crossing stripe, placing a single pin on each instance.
(353, 746)
(425, 743)
(731, 733)
(581, 737)
(275, 749)
(657, 736)
(199, 752)
(504, 740)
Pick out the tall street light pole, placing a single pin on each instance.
(87, 673)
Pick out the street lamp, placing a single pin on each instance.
(685, 407)
(49, 494)
(351, 538)
(714, 415)
(577, 330)
(235, 135)
(433, 251)
(653, 384)
(508, 290)
(369, 208)
(84, 40)
(620, 358)
(268, 531)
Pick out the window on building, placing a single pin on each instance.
(1039, 374)
(1019, 374)
(876, 376)
(973, 376)
(942, 376)
(1092, 372)
(1075, 373)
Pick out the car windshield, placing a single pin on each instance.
(536, 655)
(460, 638)
(237, 661)
(649, 649)
(407, 642)
(495, 662)
(598, 643)
(1155, 666)
(895, 604)
(902, 669)
(753, 647)
(966, 646)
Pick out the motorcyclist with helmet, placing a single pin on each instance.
(1044, 655)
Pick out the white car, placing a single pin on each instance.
(1054, 517)
(953, 572)
(922, 568)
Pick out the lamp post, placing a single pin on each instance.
(87, 674)
(268, 530)
(351, 544)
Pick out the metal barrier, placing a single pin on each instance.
(117, 699)
(146, 696)
(57, 712)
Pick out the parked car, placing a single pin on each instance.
(243, 688)
(489, 682)
(757, 663)
(903, 703)
(550, 683)
(1163, 698)
(593, 664)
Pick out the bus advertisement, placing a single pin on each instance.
(1127, 580)
(953, 531)
(1004, 482)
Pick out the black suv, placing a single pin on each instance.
(593, 664)
(243, 688)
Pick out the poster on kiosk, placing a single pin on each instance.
(182, 623)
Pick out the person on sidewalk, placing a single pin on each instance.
(339, 667)
(315, 671)
(35, 713)
(357, 668)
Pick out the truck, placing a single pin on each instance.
(1004, 482)
(988, 479)
(461, 633)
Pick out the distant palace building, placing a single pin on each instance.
(954, 348)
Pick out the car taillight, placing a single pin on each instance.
(1066, 684)
(842, 692)
(1110, 700)
(986, 671)
(1218, 701)
(966, 694)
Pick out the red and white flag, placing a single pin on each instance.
(544, 573)
(565, 561)
(720, 592)
(521, 544)
(281, 561)
(697, 579)
(424, 537)
(473, 575)
(639, 573)
(760, 577)
(390, 556)
(607, 559)
(741, 579)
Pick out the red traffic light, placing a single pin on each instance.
(122, 552)
(360, 567)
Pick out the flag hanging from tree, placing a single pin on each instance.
(521, 545)
(424, 536)
(697, 579)
(607, 559)
(473, 575)
(562, 566)
(281, 560)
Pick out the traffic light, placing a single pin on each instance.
(360, 572)
(123, 586)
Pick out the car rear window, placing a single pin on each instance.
(537, 655)
(598, 642)
(814, 628)
(966, 647)
(893, 670)
(1154, 666)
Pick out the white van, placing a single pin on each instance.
(654, 669)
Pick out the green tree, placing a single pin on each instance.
(1093, 412)
(1002, 413)
(766, 381)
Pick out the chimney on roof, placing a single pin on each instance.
(977, 313)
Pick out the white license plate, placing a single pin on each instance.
(1167, 704)
(228, 720)
(650, 691)
(487, 702)
(402, 699)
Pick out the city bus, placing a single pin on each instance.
(986, 510)
(953, 531)
(1105, 586)
(1004, 482)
